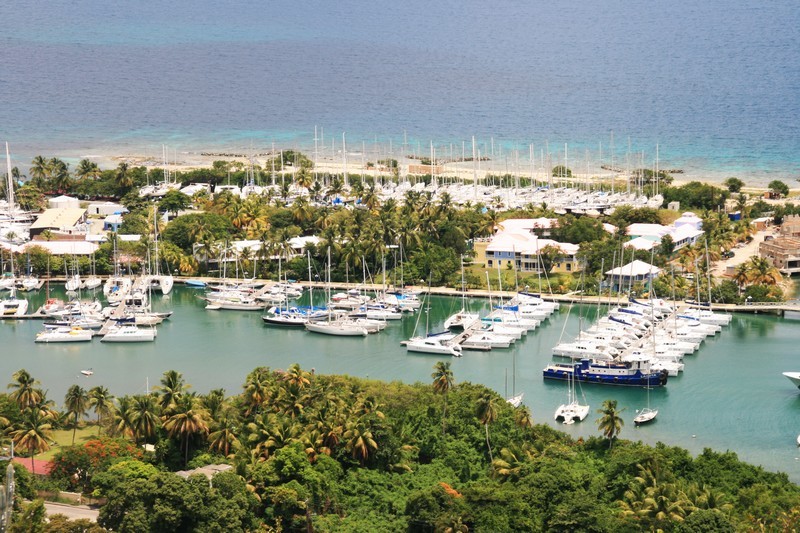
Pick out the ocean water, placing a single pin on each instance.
(731, 396)
(716, 85)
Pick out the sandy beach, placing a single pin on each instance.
(356, 163)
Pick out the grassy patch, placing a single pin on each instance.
(63, 437)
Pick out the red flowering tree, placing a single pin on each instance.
(77, 464)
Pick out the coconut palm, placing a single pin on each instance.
(124, 179)
(487, 413)
(522, 417)
(172, 388)
(256, 390)
(122, 424)
(359, 440)
(187, 419)
(33, 433)
(60, 176)
(87, 169)
(610, 424)
(223, 439)
(76, 403)
(762, 272)
(742, 275)
(143, 417)
(25, 392)
(442, 383)
(40, 172)
(102, 401)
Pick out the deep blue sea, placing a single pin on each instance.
(715, 84)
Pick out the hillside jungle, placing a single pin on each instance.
(322, 453)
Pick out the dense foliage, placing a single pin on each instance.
(336, 453)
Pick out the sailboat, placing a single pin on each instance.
(573, 410)
(73, 283)
(462, 319)
(339, 326)
(92, 282)
(515, 400)
(164, 282)
(432, 343)
(643, 416)
(13, 306)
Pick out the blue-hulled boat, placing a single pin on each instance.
(633, 372)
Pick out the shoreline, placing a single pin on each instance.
(194, 155)
(193, 160)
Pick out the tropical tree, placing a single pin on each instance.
(76, 402)
(487, 413)
(762, 272)
(172, 388)
(33, 434)
(25, 392)
(610, 424)
(40, 172)
(87, 169)
(223, 439)
(359, 440)
(142, 415)
(442, 383)
(186, 419)
(102, 401)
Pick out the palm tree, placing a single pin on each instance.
(522, 417)
(188, 418)
(25, 394)
(123, 423)
(143, 416)
(256, 390)
(762, 272)
(76, 402)
(741, 275)
(360, 440)
(223, 438)
(33, 433)
(172, 388)
(60, 175)
(487, 413)
(102, 401)
(124, 179)
(610, 424)
(87, 169)
(442, 383)
(40, 172)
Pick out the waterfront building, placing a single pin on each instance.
(66, 221)
(621, 278)
(783, 253)
(686, 231)
(522, 251)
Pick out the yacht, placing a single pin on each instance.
(64, 334)
(13, 306)
(794, 377)
(461, 320)
(434, 344)
(633, 372)
(339, 327)
(129, 333)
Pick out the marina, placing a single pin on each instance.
(732, 396)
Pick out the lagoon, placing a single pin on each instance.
(732, 395)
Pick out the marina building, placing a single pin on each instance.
(783, 253)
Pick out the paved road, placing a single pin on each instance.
(73, 512)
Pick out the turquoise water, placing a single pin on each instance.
(732, 395)
(715, 84)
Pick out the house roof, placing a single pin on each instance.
(641, 243)
(527, 224)
(648, 230)
(634, 268)
(209, 471)
(526, 244)
(40, 467)
(65, 247)
(65, 217)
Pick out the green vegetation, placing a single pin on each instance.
(363, 232)
(336, 453)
